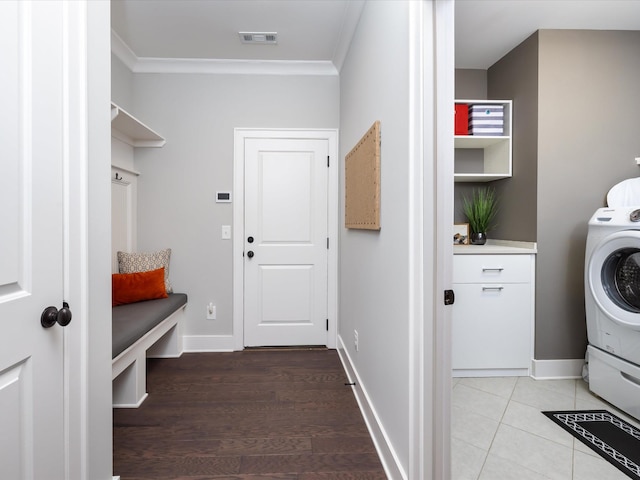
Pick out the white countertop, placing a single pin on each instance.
(497, 247)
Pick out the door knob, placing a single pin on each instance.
(51, 315)
(250, 254)
(250, 239)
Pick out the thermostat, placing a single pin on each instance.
(223, 197)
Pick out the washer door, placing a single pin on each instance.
(614, 277)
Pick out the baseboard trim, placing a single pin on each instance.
(208, 343)
(131, 405)
(557, 369)
(491, 372)
(380, 439)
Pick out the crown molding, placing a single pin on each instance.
(350, 21)
(122, 51)
(215, 66)
(230, 67)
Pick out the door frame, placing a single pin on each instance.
(431, 141)
(241, 135)
(87, 121)
(443, 97)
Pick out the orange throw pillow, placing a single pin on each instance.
(136, 287)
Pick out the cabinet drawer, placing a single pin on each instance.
(491, 268)
(492, 326)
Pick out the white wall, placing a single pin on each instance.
(197, 114)
(374, 266)
(121, 84)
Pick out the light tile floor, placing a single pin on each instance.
(499, 433)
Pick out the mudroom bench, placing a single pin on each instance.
(151, 328)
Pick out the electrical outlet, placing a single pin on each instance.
(355, 339)
(211, 311)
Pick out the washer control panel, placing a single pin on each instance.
(617, 217)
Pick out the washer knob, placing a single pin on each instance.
(635, 216)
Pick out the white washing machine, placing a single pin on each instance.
(612, 302)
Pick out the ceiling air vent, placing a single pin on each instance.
(259, 38)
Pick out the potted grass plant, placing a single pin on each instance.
(480, 210)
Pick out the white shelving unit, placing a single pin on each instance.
(127, 134)
(129, 129)
(484, 158)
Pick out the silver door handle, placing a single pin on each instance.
(492, 289)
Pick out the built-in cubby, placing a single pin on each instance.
(481, 158)
(127, 134)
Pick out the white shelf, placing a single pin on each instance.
(469, 141)
(493, 159)
(478, 177)
(129, 129)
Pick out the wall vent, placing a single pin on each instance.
(259, 38)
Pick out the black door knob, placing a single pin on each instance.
(64, 315)
(250, 239)
(250, 254)
(51, 315)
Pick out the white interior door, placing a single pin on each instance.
(285, 254)
(31, 240)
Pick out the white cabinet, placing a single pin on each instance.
(484, 158)
(493, 315)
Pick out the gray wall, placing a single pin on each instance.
(589, 98)
(471, 84)
(515, 77)
(197, 114)
(374, 267)
(575, 97)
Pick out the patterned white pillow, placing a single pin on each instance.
(144, 262)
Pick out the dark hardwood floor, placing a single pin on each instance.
(252, 415)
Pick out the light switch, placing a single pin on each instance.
(211, 311)
(226, 232)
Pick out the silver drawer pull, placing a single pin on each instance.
(494, 269)
(492, 289)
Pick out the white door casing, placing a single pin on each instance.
(431, 189)
(286, 199)
(285, 225)
(442, 170)
(31, 240)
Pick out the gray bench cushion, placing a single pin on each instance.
(132, 321)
